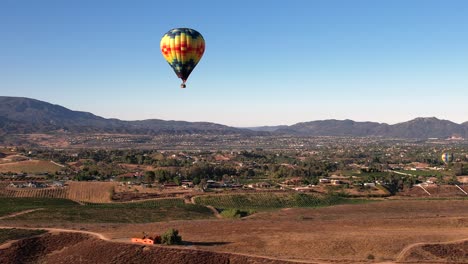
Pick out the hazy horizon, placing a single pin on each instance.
(264, 65)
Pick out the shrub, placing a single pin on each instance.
(231, 213)
(171, 237)
(236, 213)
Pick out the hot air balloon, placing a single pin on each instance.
(182, 48)
(447, 157)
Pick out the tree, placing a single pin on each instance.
(150, 176)
(196, 180)
(202, 184)
(171, 237)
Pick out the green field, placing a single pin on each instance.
(12, 205)
(15, 234)
(266, 201)
(61, 210)
(424, 173)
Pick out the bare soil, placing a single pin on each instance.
(80, 248)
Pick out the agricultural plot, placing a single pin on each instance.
(265, 201)
(141, 212)
(92, 192)
(30, 166)
(35, 193)
(12, 205)
(86, 192)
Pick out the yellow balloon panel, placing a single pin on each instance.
(182, 48)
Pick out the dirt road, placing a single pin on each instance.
(401, 256)
(20, 213)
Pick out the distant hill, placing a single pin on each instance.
(333, 128)
(427, 128)
(266, 128)
(417, 128)
(24, 115)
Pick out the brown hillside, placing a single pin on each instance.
(438, 253)
(79, 248)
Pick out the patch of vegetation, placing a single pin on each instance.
(15, 234)
(135, 212)
(424, 173)
(235, 213)
(171, 237)
(372, 175)
(13, 205)
(265, 201)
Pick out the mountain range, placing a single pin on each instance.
(25, 115)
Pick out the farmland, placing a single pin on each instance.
(12, 205)
(30, 166)
(269, 201)
(67, 211)
(95, 192)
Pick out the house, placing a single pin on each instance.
(58, 184)
(294, 181)
(303, 189)
(337, 177)
(324, 180)
(369, 184)
(213, 184)
(187, 184)
(263, 185)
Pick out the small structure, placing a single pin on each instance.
(335, 182)
(58, 184)
(147, 240)
(263, 185)
(187, 184)
(324, 180)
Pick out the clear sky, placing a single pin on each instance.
(266, 62)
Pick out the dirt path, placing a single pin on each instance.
(408, 248)
(58, 164)
(215, 212)
(57, 230)
(20, 213)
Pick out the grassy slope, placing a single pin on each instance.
(14, 234)
(68, 211)
(12, 205)
(266, 201)
(30, 166)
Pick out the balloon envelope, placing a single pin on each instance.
(182, 48)
(447, 157)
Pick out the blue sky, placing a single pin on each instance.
(265, 63)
